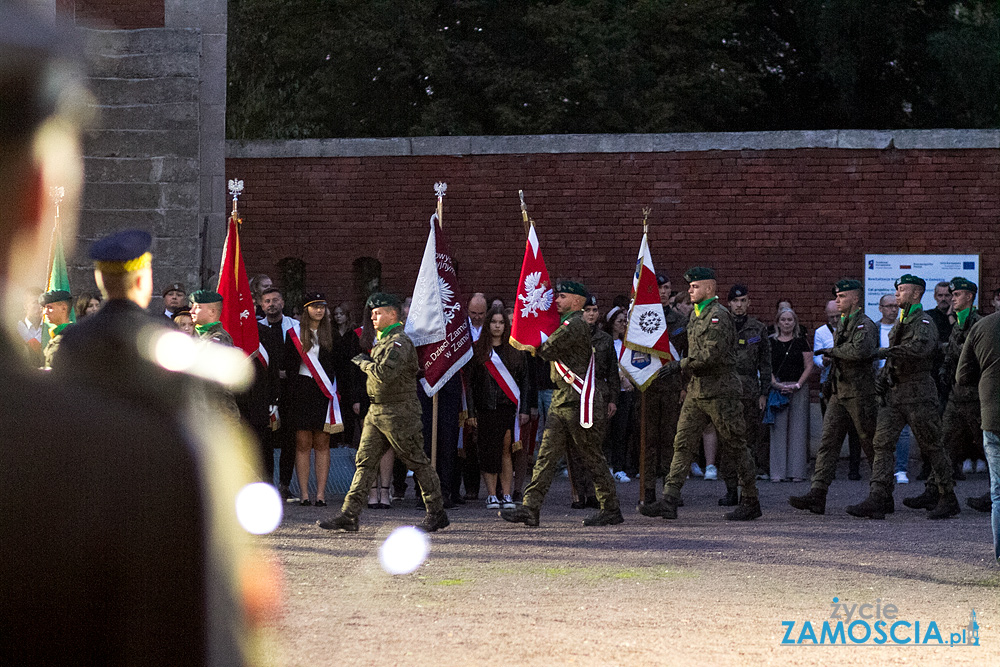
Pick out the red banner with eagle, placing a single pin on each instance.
(238, 309)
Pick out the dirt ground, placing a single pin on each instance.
(696, 591)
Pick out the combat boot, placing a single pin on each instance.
(523, 514)
(814, 501)
(342, 523)
(983, 503)
(925, 501)
(732, 497)
(665, 507)
(872, 507)
(604, 518)
(747, 510)
(947, 506)
(434, 521)
(888, 504)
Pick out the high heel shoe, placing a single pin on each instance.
(375, 488)
(388, 497)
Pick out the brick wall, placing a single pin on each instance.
(123, 14)
(789, 222)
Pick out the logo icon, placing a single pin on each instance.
(640, 359)
(448, 304)
(536, 298)
(650, 321)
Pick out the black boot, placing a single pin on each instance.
(434, 521)
(732, 497)
(665, 507)
(983, 503)
(747, 510)
(925, 501)
(872, 507)
(947, 506)
(604, 518)
(814, 501)
(523, 514)
(342, 523)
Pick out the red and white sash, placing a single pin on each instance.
(262, 355)
(586, 386)
(503, 378)
(334, 420)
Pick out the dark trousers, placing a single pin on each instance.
(449, 407)
(284, 439)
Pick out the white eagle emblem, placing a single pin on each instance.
(448, 305)
(535, 298)
(244, 315)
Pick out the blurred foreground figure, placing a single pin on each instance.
(119, 541)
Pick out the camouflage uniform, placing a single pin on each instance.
(910, 397)
(608, 387)
(713, 396)
(961, 432)
(753, 364)
(571, 345)
(217, 334)
(54, 339)
(663, 407)
(393, 420)
(851, 390)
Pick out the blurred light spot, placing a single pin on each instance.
(174, 351)
(259, 508)
(404, 550)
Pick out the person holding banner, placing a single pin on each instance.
(499, 406)
(574, 427)
(313, 407)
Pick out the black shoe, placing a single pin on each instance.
(872, 507)
(854, 475)
(731, 499)
(522, 514)
(925, 472)
(605, 518)
(305, 502)
(747, 510)
(925, 501)
(578, 504)
(342, 523)
(321, 503)
(814, 501)
(449, 504)
(947, 506)
(457, 499)
(665, 507)
(680, 501)
(592, 503)
(649, 496)
(983, 503)
(888, 505)
(433, 522)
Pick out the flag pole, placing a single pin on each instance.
(524, 213)
(439, 189)
(642, 402)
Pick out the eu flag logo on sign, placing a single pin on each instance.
(968, 266)
(640, 359)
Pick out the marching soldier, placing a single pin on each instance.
(908, 395)
(56, 306)
(206, 311)
(851, 390)
(575, 424)
(753, 364)
(712, 398)
(393, 420)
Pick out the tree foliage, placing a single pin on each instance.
(374, 68)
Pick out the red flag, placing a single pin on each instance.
(535, 315)
(238, 311)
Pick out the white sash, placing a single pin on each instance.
(334, 420)
(586, 387)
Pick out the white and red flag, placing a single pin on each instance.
(535, 315)
(647, 341)
(238, 309)
(437, 323)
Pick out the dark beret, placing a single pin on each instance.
(572, 287)
(960, 283)
(847, 285)
(206, 296)
(122, 246)
(697, 273)
(909, 279)
(737, 291)
(383, 300)
(174, 287)
(54, 296)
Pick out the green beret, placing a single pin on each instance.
(909, 279)
(206, 296)
(959, 283)
(572, 287)
(54, 296)
(847, 285)
(383, 300)
(697, 273)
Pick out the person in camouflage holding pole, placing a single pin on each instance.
(908, 395)
(851, 390)
(713, 396)
(393, 420)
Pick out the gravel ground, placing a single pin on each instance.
(696, 591)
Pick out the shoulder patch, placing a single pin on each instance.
(755, 339)
(715, 320)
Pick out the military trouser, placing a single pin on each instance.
(564, 436)
(726, 414)
(841, 413)
(925, 423)
(759, 447)
(398, 426)
(961, 433)
(663, 409)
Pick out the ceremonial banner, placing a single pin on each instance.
(237, 301)
(535, 316)
(647, 341)
(437, 324)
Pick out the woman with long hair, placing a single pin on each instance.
(500, 402)
(347, 341)
(619, 427)
(86, 304)
(791, 364)
(314, 366)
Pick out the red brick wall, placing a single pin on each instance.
(788, 222)
(123, 14)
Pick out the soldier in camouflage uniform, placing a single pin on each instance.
(712, 398)
(961, 429)
(851, 390)
(393, 420)
(206, 310)
(908, 395)
(753, 364)
(570, 345)
(608, 386)
(56, 308)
